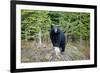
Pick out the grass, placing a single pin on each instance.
(30, 52)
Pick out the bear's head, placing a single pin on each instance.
(55, 28)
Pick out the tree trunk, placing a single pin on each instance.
(25, 35)
(81, 42)
(39, 37)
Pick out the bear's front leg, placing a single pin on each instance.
(57, 50)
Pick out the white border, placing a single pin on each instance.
(20, 65)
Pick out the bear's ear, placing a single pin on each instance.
(52, 25)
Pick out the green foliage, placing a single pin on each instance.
(72, 23)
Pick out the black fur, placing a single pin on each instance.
(57, 38)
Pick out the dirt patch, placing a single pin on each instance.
(30, 53)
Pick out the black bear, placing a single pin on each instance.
(57, 38)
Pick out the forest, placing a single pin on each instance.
(36, 45)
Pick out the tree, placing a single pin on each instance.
(36, 23)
